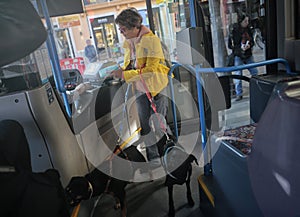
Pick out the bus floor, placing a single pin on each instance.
(150, 199)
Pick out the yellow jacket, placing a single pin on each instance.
(150, 60)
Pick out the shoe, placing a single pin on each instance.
(238, 98)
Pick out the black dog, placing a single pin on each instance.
(97, 182)
(176, 162)
(178, 166)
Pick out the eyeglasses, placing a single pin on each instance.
(122, 29)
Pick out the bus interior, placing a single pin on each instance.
(244, 170)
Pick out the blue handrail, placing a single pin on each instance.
(207, 167)
(214, 70)
(196, 71)
(248, 66)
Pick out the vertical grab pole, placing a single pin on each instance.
(173, 99)
(54, 58)
(207, 165)
(150, 15)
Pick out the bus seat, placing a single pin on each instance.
(23, 192)
(14, 148)
(274, 163)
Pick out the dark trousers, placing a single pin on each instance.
(150, 123)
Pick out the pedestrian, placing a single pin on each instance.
(241, 42)
(143, 54)
(90, 51)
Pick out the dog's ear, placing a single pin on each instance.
(193, 158)
(77, 190)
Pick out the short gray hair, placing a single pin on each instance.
(129, 18)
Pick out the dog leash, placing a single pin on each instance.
(75, 211)
(162, 125)
(118, 149)
(123, 114)
(153, 106)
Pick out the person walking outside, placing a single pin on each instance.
(90, 51)
(241, 42)
(143, 54)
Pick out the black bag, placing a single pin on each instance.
(31, 194)
(23, 192)
(230, 60)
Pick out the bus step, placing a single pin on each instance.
(206, 191)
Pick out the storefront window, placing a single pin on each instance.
(63, 44)
(105, 36)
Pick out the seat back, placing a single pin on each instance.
(14, 148)
(25, 193)
(274, 162)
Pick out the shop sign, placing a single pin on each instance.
(102, 20)
(68, 21)
(109, 19)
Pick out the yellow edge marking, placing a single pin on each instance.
(124, 144)
(75, 211)
(206, 191)
(130, 138)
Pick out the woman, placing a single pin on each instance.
(241, 41)
(143, 55)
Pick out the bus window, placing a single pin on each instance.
(26, 73)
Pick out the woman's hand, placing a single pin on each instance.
(116, 74)
(246, 46)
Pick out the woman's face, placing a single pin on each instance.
(129, 33)
(245, 22)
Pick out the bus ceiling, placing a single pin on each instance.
(59, 7)
(21, 26)
(21, 30)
